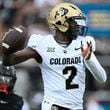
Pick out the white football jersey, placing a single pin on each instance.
(63, 69)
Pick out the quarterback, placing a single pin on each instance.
(62, 58)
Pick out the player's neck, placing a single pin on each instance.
(61, 38)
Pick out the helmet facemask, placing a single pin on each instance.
(7, 79)
(77, 27)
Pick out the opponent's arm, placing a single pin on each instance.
(20, 56)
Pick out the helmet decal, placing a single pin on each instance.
(61, 12)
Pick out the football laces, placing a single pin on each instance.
(18, 29)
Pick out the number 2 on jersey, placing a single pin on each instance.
(73, 72)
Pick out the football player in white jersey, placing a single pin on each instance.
(62, 58)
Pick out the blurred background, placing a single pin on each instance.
(32, 14)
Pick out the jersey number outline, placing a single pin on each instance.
(73, 73)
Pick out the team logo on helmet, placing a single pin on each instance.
(61, 12)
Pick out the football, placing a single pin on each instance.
(14, 40)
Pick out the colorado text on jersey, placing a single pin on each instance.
(63, 61)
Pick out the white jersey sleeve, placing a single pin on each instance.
(93, 64)
(34, 41)
(96, 69)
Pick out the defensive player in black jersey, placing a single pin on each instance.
(8, 99)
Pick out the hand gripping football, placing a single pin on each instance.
(14, 40)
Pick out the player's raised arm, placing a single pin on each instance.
(19, 56)
(96, 69)
(13, 47)
(92, 63)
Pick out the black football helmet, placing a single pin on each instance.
(7, 78)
